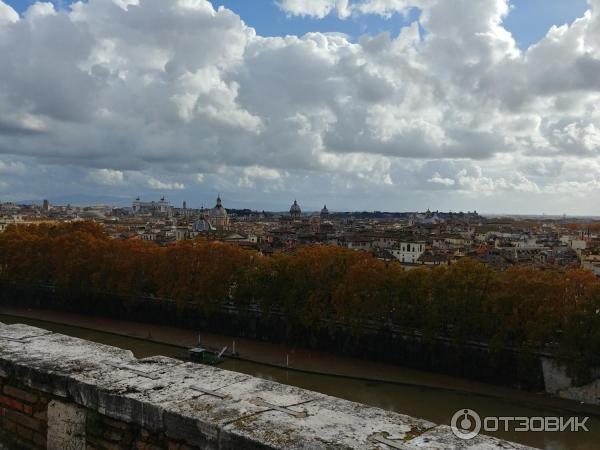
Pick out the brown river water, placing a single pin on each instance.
(421, 394)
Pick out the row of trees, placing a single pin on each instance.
(519, 308)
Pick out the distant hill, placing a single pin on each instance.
(81, 200)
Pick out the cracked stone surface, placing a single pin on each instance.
(209, 407)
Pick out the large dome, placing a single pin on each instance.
(218, 217)
(218, 210)
(295, 209)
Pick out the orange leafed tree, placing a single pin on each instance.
(315, 287)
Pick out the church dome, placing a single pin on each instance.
(218, 210)
(218, 217)
(295, 209)
(324, 211)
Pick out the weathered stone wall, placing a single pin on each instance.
(66, 393)
(32, 420)
(23, 414)
(559, 383)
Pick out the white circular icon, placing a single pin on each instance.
(466, 424)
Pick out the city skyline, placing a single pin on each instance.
(108, 105)
(310, 210)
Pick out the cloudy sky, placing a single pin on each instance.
(491, 105)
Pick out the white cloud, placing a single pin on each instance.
(576, 188)
(315, 8)
(153, 183)
(387, 8)
(7, 14)
(107, 177)
(40, 9)
(578, 137)
(261, 172)
(345, 8)
(438, 179)
(169, 90)
(269, 178)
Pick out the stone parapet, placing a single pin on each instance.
(60, 392)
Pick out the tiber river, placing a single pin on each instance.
(436, 405)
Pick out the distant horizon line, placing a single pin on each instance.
(334, 211)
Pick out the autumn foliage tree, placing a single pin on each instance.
(316, 286)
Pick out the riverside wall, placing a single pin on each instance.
(558, 382)
(475, 361)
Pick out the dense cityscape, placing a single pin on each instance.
(414, 239)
